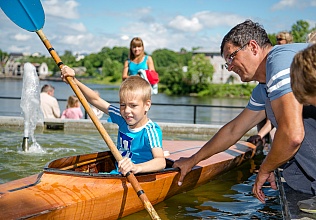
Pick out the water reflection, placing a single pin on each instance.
(226, 197)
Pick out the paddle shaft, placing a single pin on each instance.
(131, 178)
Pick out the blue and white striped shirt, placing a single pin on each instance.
(277, 78)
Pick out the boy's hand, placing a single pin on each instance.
(67, 72)
(126, 165)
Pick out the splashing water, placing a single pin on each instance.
(30, 104)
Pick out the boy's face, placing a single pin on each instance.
(134, 110)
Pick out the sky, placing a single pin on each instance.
(86, 26)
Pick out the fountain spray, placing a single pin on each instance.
(30, 104)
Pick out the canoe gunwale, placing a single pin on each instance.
(37, 181)
(104, 175)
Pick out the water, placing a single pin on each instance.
(175, 114)
(226, 197)
(30, 105)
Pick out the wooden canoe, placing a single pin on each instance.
(76, 187)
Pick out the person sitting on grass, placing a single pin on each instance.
(139, 139)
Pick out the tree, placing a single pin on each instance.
(200, 73)
(300, 31)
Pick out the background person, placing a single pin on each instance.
(249, 53)
(137, 60)
(284, 38)
(49, 104)
(73, 110)
(311, 37)
(139, 139)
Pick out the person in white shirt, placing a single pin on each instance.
(49, 104)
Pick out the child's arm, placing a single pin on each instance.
(89, 94)
(156, 164)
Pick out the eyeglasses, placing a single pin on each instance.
(279, 39)
(232, 56)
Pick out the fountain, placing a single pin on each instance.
(30, 104)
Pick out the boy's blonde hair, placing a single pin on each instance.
(135, 86)
(303, 74)
(72, 101)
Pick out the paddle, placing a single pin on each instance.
(29, 15)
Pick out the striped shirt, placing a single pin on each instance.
(136, 143)
(277, 78)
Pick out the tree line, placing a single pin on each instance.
(106, 66)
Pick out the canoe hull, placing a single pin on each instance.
(56, 194)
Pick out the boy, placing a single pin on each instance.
(303, 76)
(139, 139)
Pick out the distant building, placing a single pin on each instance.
(221, 74)
(14, 68)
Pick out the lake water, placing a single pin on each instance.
(226, 197)
(176, 114)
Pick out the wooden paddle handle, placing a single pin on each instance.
(131, 178)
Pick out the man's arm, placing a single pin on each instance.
(222, 140)
(286, 142)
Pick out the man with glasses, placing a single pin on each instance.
(249, 53)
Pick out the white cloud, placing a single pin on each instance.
(80, 27)
(125, 37)
(283, 4)
(22, 37)
(17, 49)
(181, 23)
(216, 19)
(60, 8)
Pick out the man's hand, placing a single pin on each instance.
(185, 166)
(254, 139)
(263, 177)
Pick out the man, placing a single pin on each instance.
(249, 53)
(49, 104)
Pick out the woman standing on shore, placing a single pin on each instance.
(137, 59)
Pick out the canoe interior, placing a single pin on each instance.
(94, 164)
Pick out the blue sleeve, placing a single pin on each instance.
(258, 98)
(154, 135)
(115, 115)
(278, 69)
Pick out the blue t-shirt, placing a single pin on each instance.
(277, 78)
(136, 143)
(134, 67)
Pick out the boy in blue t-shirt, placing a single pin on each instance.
(139, 139)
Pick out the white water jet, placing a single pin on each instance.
(30, 104)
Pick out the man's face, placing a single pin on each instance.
(240, 60)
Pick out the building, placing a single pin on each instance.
(14, 68)
(221, 74)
